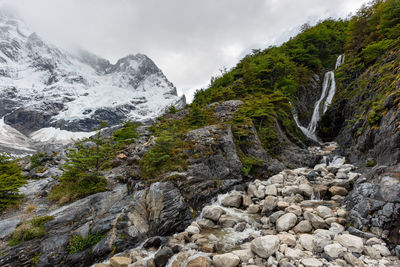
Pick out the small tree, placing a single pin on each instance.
(82, 171)
(197, 116)
(10, 180)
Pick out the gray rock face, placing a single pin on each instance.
(374, 201)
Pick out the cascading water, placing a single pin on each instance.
(321, 106)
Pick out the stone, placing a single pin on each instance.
(212, 212)
(353, 260)
(295, 210)
(246, 201)
(320, 190)
(228, 221)
(226, 260)
(325, 212)
(383, 250)
(293, 253)
(342, 212)
(162, 256)
(338, 190)
(351, 242)
(117, 261)
(311, 262)
(306, 241)
(316, 221)
(270, 204)
(232, 200)
(271, 190)
(321, 239)
(200, 261)
(276, 179)
(265, 246)
(191, 230)
(253, 209)
(208, 248)
(331, 220)
(336, 228)
(282, 205)
(290, 190)
(372, 252)
(341, 175)
(155, 242)
(373, 241)
(206, 224)
(286, 222)
(306, 190)
(275, 216)
(334, 250)
(244, 254)
(287, 239)
(303, 227)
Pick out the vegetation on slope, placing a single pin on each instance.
(10, 180)
(87, 160)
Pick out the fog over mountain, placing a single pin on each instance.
(189, 40)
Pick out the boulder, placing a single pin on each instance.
(271, 190)
(303, 227)
(311, 262)
(117, 261)
(325, 212)
(351, 242)
(212, 212)
(316, 221)
(245, 255)
(286, 222)
(338, 190)
(232, 200)
(270, 204)
(306, 241)
(226, 260)
(265, 246)
(162, 256)
(191, 230)
(334, 250)
(287, 239)
(321, 239)
(200, 261)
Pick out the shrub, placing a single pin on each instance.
(37, 159)
(29, 230)
(127, 134)
(10, 180)
(79, 243)
(171, 109)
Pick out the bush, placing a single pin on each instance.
(37, 159)
(82, 171)
(79, 243)
(127, 134)
(29, 230)
(374, 50)
(10, 180)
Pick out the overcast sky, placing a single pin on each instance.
(190, 40)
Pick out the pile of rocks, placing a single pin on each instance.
(293, 218)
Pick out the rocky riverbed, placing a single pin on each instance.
(297, 217)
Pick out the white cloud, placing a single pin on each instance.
(189, 40)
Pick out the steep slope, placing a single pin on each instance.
(45, 90)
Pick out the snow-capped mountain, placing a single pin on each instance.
(48, 94)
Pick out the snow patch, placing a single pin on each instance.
(58, 136)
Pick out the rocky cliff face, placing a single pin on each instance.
(46, 92)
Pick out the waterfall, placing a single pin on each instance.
(321, 106)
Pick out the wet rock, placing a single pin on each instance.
(226, 260)
(200, 261)
(265, 246)
(232, 200)
(162, 256)
(338, 190)
(120, 261)
(213, 213)
(306, 190)
(155, 242)
(228, 221)
(351, 242)
(286, 222)
(246, 201)
(206, 224)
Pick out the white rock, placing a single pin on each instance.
(306, 189)
(325, 212)
(290, 190)
(226, 260)
(271, 190)
(293, 254)
(234, 199)
(334, 250)
(306, 241)
(244, 254)
(352, 242)
(295, 210)
(276, 179)
(265, 246)
(287, 239)
(286, 222)
(303, 227)
(311, 262)
(212, 212)
(383, 250)
(372, 252)
(321, 239)
(336, 228)
(192, 230)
